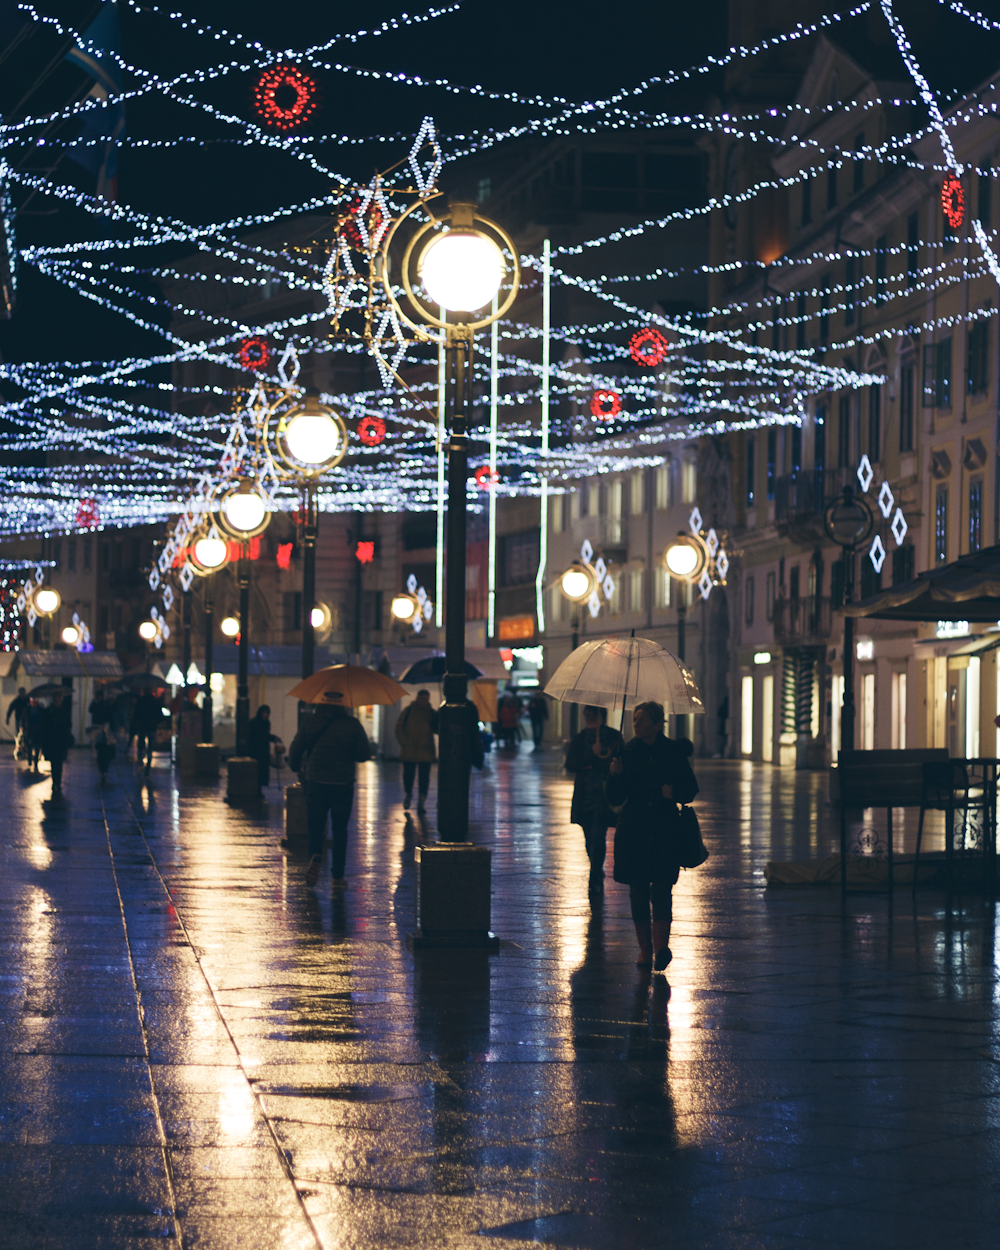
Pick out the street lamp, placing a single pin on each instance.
(230, 626)
(577, 585)
(147, 631)
(70, 635)
(208, 554)
(309, 439)
(848, 522)
(47, 601)
(242, 510)
(454, 264)
(685, 559)
(404, 608)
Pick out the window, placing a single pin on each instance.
(875, 424)
(849, 280)
(800, 320)
(615, 511)
(793, 582)
(71, 555)
(831, 187)
(663, 492)
(615, 602)
(868, 712)
(984, 187)
(819, 447)
(559, 514)
(520, 558)
(769, 597)
(105, 557)
(56, 552)
(838, 574)
(662, 587)
(292, 610)
(912, 251)
(941, 525)
(767, 719)
(844, 432)
(751, 468)
(824, 311)
(746, 715)
(871, 582)
(975, 514)
(772, 462)
(87, 549)
(484, 189)
(976, 371)
(859, 164)
(748, 600)
(689, 481)
(796, 448)
(899, 711)
(881, 282)
(636, 590)
(584, 497)
(942, 374)
(903, 565)
(906, 408)
(807, 202)
(638, 492)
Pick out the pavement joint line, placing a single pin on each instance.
(257, 1097)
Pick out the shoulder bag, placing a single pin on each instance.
(691, 850)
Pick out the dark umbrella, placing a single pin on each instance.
(433, 669)
(48, 690)
(141, 679)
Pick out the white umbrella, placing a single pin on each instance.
(626, 671)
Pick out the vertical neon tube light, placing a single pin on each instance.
(492, 542)
(439, 570)
(543, 541)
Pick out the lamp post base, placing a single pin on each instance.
(452, 898)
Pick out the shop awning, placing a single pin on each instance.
(966, 590)
(104, 665)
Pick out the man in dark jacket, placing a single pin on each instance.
(56, 738)
(324, 753)
(147, 716)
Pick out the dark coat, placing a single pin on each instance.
(53, 734)
(644, 845)
(147, 714)
(590, 774)
(259, 739)
(327, 748)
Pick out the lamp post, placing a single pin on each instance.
(458, 270)
(304, 442)
(577, 584)
(685, 559)
(848, 522)
(209, 554)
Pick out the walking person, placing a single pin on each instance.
(56, 737)
(101, 716)
(147, 716)
(650, 777)
(260, 739)
(19, 710)
(325, 754)
(538, 714)
(510, 720)
(588, 758)
(415, 730)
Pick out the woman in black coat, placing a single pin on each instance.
(650, 777)
(588, 758)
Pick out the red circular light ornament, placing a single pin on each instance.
(648, 347)
(605, 405)
(953, 201)
(254, 353)
(486, 478)
(371, 431)
(285, 97)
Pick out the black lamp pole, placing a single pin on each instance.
(243, 681)
(310, 524)
(574, 708)
(207, 729)
(847, 710)
(456, 759)
(682, 611)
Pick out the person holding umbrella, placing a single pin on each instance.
(647, 780)
(415, 730)
(588, 758)
(56, 737)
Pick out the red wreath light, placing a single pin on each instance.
(648, 347)
(87, 517)
(371, 431)
(953, 201)
(486, 478)
(372, 224)
(254, 353)
(298, 92)
(605, 405)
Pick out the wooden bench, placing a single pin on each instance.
(879, 779)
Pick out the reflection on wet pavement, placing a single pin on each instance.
(197, 1047)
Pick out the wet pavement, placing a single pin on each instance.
(197, 1047)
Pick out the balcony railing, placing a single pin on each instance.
(807, 492)
(800, 622)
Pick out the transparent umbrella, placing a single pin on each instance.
(624, 672)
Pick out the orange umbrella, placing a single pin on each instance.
(347, 685)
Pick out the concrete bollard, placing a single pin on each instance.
(206, 761)
(244, 780)
(452, 898)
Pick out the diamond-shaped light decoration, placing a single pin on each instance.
(695, 520)
(594, 604)
(865, 473)
(168, 597)
(421, 596)
(877, 554)
(722, 564)
(586, 551)
(418, 623)
(885, 500)
(899, 527)
(600, 568)
(712, 542)
(705, 584)
(288, 365)
(32, 616)
(154, 579)
(186, 577)
(411, 584)
(428, 609)
(608, 587)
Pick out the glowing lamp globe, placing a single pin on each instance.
(147, 631)
(320, 617)
(244, 511)
(47, 601)
(461, 270)
(210, 552)
(576, 583)
(70, 635)
(230, 626)
(685, 558)
(404, 607)
(313, 438)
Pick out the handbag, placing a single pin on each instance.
(691, 850)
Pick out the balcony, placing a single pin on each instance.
(802, 622)
(800, 500)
